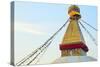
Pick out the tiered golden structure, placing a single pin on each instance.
(73, 43)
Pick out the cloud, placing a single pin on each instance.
(28, 28)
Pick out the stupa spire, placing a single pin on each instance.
(73, 43)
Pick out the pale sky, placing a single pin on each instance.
(36, 22)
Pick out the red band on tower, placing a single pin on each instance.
(73, 46)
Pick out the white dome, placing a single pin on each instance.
(70, 59)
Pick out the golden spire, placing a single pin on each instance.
(73, 42)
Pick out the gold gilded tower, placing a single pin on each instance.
(73, 43)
